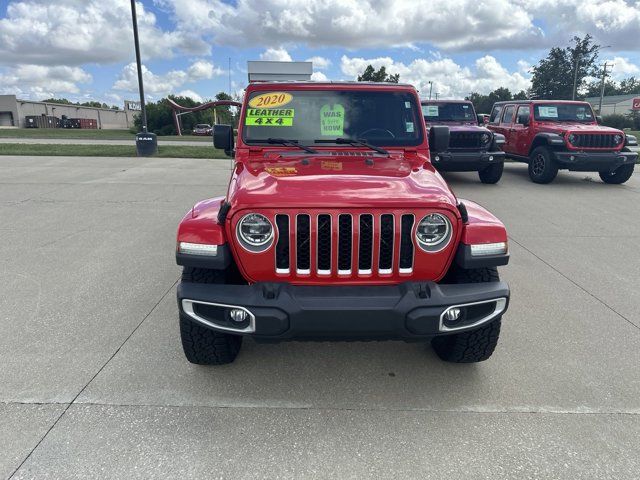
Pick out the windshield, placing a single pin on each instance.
(384, 118)
(448, 112)
(203, 125)
(564, 112)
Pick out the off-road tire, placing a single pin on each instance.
(492, 173)
(542, 168)
(619, 175)
(472, 345)
(202, 345)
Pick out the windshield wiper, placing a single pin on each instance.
(291, 143)
(356, 143)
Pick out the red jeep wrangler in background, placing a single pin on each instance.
(554, 134)
(472, 147)
(336, 226)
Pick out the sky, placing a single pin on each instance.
(83, 49)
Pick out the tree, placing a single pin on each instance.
(553, 77)
(224, 113)
(628, 86)
(484, 103)
(61, 101)
(371, 75)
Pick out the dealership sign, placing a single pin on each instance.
(635, 104)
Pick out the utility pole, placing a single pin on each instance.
(229, 92)
(430, 88)
(146, 143)
(437, 94)
(604, 76)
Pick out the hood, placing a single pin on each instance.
(324, 181)
(562, 127)
(460, 126)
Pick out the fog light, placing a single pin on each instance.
(483, 249)
(452, 314)
(572, 158)
(491, 158)
(197, 249)
(238, 315)
(436, 159)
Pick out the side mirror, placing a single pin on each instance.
(439, 138)
(482, 119)
(223, 138)
(525, 120)
(599, 119)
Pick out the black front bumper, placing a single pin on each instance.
(594, 161)
(280, 311)
(465, 161)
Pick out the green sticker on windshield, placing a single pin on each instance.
(270, 117)
(332, 120)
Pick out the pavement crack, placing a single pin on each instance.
(598, 299)
(66, 409)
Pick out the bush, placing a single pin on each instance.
(618, 121)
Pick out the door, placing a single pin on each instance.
(519, 133)
(506, 128)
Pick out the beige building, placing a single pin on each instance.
(622, 104)
(13, 112)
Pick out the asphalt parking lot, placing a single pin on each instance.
(93, 383)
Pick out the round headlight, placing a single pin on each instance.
(255, 230)
(433, 232)
(572, 138)
(485, 138)
(617, 139)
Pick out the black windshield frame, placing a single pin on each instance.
(379, 110)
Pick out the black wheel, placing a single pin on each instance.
(492, 173)
(202, 345)
(542, 168)
(618, 176)
(472, 345)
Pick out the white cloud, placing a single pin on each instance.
(319, 77)
(163, 84)
(73, 32)
(276, 55)
(321, 63)
(203, 70)
(450, 80)
(38, 81)
(622, 68)
(190, 93)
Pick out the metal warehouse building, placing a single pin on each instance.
(13, 112)
(623, 104)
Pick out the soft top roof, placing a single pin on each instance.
(423, 101)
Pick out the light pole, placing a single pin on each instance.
(604, 76)
(146, 143)
(430, 88)
(575, 72)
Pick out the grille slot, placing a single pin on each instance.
(324, 244)
(303, 244)
(365, 247)
(406, 244)
(345, 236)
(282, 247)
(385, 260)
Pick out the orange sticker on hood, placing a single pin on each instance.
(281, 171)
(331, 165)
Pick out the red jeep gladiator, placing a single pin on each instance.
(335, 226)
(554, 134)
(472, 147)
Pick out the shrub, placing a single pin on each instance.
(617, 120)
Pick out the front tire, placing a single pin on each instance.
(476, 345)
(542, 168)
(618, 176)
(492, 173)
(202, 345)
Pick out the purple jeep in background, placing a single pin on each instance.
(472, 147)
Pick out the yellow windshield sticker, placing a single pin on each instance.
(270, 117)
(332, 120)
(270, 100)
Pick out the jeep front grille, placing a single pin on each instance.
(464, 140)
(344, 243)
(594, 140)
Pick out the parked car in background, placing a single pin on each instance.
(202, 129)
(336, 226)
(472, 147)
(551, 135)
(483, 118)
